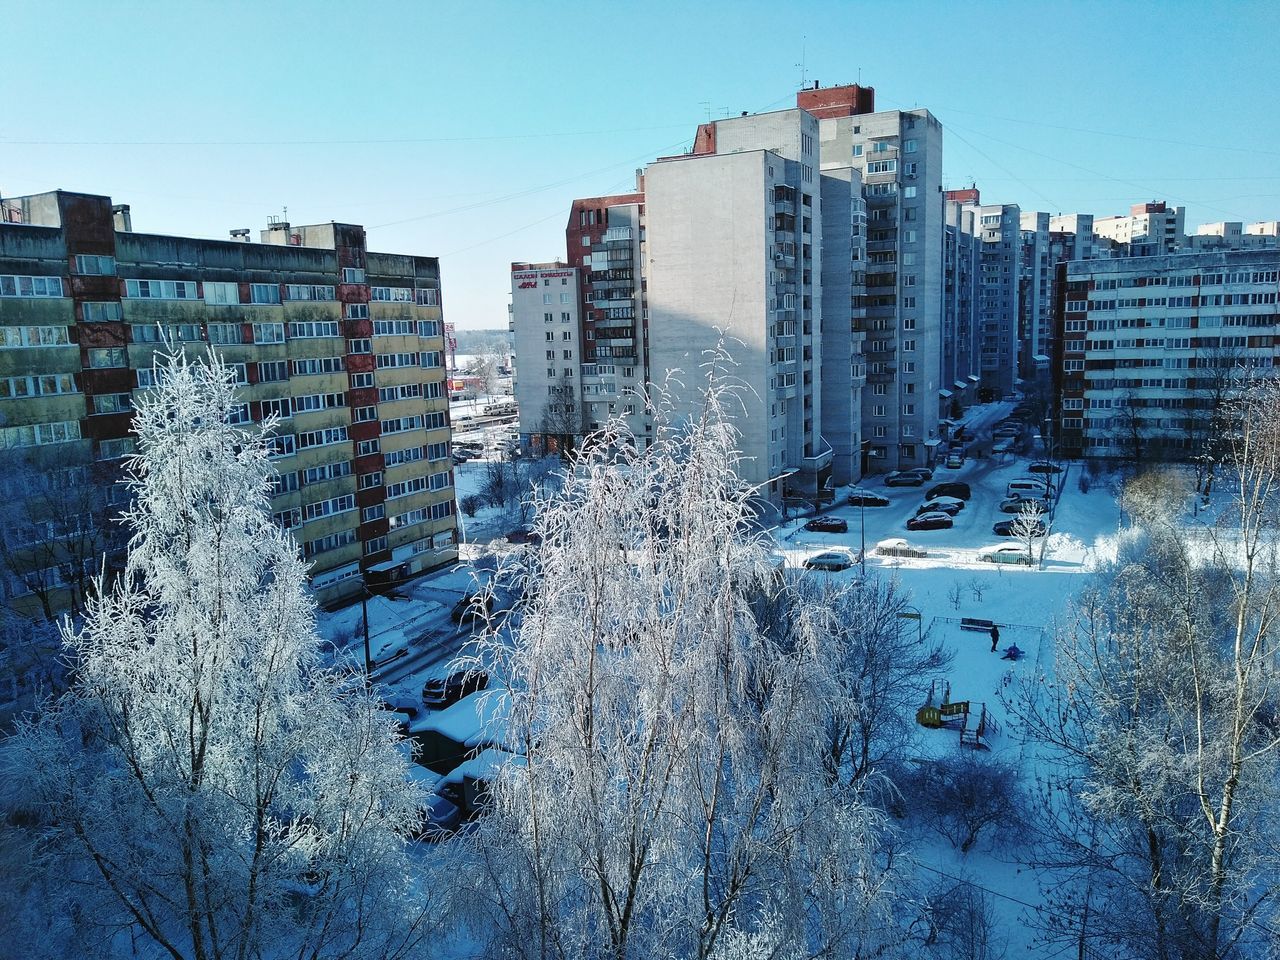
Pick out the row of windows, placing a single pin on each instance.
(34, 336)
(332, 542)
(321, 438)
(19, 286)
(401, 424)
(327, 471)
(327, 508)
(319, 365)
(39, 434)
(42, 386)
(437, 511)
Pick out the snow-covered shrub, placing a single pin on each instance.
(967, 796)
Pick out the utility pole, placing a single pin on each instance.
(364, 611)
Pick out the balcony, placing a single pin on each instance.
(784, 206)
(617, 235)
(785, 389)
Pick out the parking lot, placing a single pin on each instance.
(988, 479)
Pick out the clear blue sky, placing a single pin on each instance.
(463, 130)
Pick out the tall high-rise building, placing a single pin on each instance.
(1035, 301)
(343, 345)
(961, 329)
(898, 156)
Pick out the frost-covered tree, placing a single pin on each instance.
(673, 796)
(1028, 526)
(209, 787)
(1162, 716)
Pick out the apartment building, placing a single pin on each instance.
(1147, 347)
(1149, 229)
(734, 254)
(1035, 299)
(547, 327)
(898, 156)
(961, 330)
(1234, 235)
(342, 344)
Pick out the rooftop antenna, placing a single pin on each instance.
(706, 104)
(801, 64)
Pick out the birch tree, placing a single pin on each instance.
(1028, 526)
(209, 788)
(672, 798)
(1163, 716)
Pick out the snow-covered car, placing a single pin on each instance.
(955, 461)
(929, 521)
(441, 692)
(905, 478)
(827, 525)
(440, 818)
(1004, 528)
(865, 498)
(898, 547)
(831, 560)
(949, 488)
(1015, 503)
(948, 505)
(1005, 553)
(1044, 466)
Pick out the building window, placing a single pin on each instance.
(362, 345)
(224, 333)
(365, 414)
(284, 445)
(114, 449)
(376, 545)
(313, 329)
(112, 403)
(352, 275)
(316, 366)
(268, 333)
(273, 371)
(308, 291)
(264, 293)
(160, 289)
(221, 294)
(361, 381)
(101, 312)
(392, 294)
(372, 513)
(437, 451)
(94, 266)
(11, 337)
(357, 311)
(281, 409)
(37, 386)
(17, 286)
(368, 447)
(108, 357)
(428, 297)
(368, 481)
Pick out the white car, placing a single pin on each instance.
(1005, 553)
(831, 560)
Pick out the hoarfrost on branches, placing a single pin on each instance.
(675, 797)
(209, 788)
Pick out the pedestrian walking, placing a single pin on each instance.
(995, 637)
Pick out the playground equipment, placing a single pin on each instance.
(973, 720)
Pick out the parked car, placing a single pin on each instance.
(471, 607)
(1004, 528)
(926, 472)
(524, 535)
(1006, 433)
(905, 478)
(1044, 466)
(897, 547)
(827, 525)
(441, 692)
(1004, 553)
(948, 505)
(865, 498)
(929, 521)
(1015, 503)
(1028, 486)
(949, 488)
(955, 461)
(831, 560)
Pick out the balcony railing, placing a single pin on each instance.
(617, 235)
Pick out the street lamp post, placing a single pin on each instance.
(862, 523)
(364, 612)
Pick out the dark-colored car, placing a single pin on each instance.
(949, 488)
(472, 607)
(1015, 504)
(1004, 528)
(441, 692)
(524, 536)
(827, 525)
(929, 521)
(905, 478)
(831, 561)
(948, 505)
(1044, 466)
(864, 498)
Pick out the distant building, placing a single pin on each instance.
(1149, 229)
(546, 324)
(1147, 348)
(343, 345)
